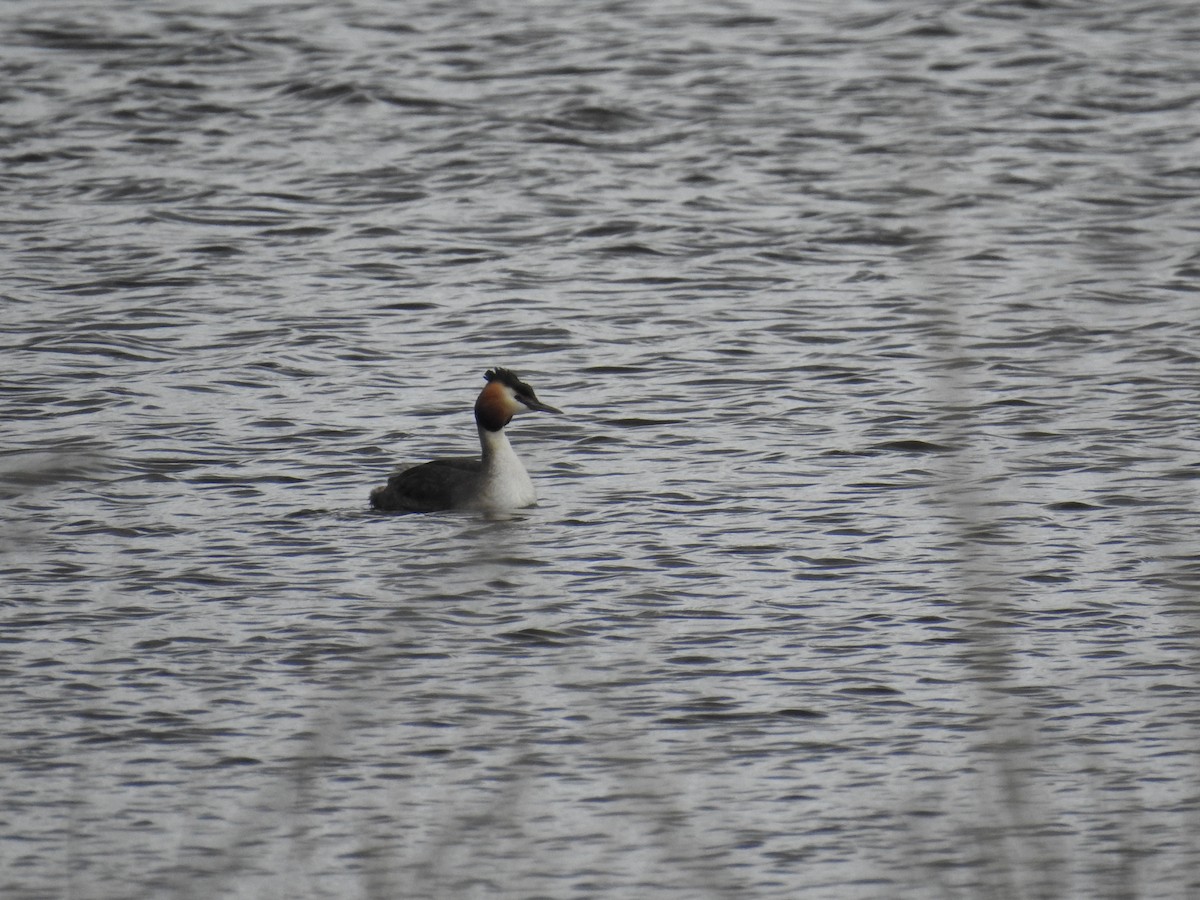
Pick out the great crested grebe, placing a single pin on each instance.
(498, 481)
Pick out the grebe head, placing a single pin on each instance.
(505, 396)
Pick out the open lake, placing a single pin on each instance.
(865, 564)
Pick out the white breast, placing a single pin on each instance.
(504, 484)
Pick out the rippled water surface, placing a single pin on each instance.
(865, 561)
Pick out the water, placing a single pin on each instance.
(865, 561)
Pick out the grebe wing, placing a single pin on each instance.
(428, 487)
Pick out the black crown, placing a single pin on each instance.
(509, 378)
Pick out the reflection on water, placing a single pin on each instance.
(864, 562)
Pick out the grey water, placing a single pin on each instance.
(865, 560)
